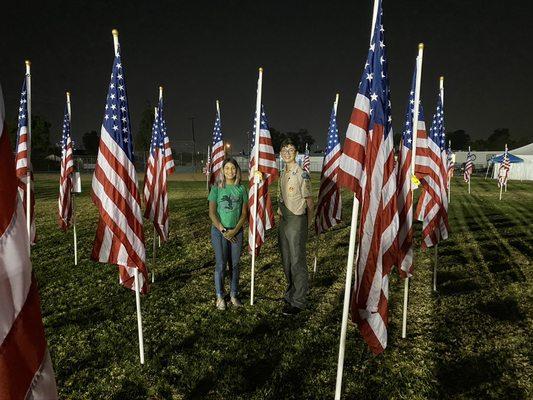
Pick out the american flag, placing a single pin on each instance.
(169, 160)
(503, 171)
(450, 163)
(25, 365)
(432, 207)
(367, 168)
(119, 237)
(23, 158)
(207, 166)
(329, 206)
(306, 166)
(155, 189)
(405, 192)
(217, 151)
(267, 165)
(65, 180)
(469, 166)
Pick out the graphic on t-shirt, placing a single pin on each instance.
(229, 200)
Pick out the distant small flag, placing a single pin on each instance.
(266, 165)
(329, 206)
(503, 171)
(307, 161)
(119, 236)
(451, 164)
(217, 151)
(207, 166)
(65, 180)
(23, 158)
(469, 166)
(25, 367)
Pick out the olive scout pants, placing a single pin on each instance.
(292, 233)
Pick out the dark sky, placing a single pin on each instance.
(203, 51)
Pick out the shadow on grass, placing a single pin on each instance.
(459, 287)
(502, 310)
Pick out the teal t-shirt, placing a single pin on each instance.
(229, 203)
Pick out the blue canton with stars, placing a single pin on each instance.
(217, 131)
(407, 135)
(437, 133)
(264, 124)
(159, 130)
(333, 133)
(374, 83)
(23, 108)
(66, 131)
(117, 116)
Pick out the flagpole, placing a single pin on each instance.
(449, 177)
(350, 262)
(207, 168)
(470, 175)
(28, 154)
(136, 270)
(256, 179)
(413, 161)
(69, 110)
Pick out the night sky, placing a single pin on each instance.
(203, 51)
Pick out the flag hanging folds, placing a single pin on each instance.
(65, 179)
(169, 160)
(119, 237)
(25, 366)
(367, 168)
(469, 166)
(329, 205)
(267, 166)
(217, 151)
(23, 158)
(155, 189)
(306, 166)
(404, 184)
(503, 171)
(432, 207)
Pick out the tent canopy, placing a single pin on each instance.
(512, 158)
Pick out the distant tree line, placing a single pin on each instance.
(495, 142)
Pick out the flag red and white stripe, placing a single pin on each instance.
(25, 367)
(217, 150)
(503, 171)
(119, 236)
(65, 179)
(306, 165)
(367, 168)
(268, 167)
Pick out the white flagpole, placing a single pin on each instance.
(28, 152)
(435, 267)
(207, 168)
(69, 110)
(349, 264)
(256, 179)
(448, 172)
(136, 271)
(413, 161)
(508, 171)
(335, 105)
(470, 175)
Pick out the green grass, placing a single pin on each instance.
(470, 340)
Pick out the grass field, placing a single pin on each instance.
(470, 340)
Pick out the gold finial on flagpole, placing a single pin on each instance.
(114, 32)
(27, 62)
(261, 69)
(420, 45)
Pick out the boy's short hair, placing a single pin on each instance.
(288, 142)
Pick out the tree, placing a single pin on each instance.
(144, 135)
(91, 141)
(498, 139)
(40, 136)
(301, 138)
(460, 139)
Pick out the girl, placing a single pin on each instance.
(227, 209)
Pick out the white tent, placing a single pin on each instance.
(521, 171)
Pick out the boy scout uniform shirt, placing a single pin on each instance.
(295, 187)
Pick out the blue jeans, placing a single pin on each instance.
(226, 251)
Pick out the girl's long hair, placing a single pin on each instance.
(222, 178)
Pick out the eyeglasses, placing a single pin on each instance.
(288, 151)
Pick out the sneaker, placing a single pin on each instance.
(221, 304)
(236, 302)
(290, 310)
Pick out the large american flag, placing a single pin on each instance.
(503, 171)
(405, 191)
(23, 158)
(155, 184)
(217, 151)
(267, 165)
(25, 367)
(65, 179)
(432, 207)
(329, 206)
(306, 165)
(469, 166)
(119, 237)
(367, 168)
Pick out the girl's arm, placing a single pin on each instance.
(214, 215)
